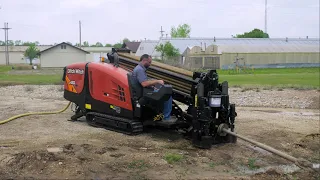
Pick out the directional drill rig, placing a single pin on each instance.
(103, 92)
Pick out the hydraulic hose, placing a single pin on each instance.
(34, 113)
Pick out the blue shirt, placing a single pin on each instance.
(139, 74)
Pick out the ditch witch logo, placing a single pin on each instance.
(75, 71)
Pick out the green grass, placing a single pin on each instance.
(4, 69)
(173, 158)
(252, 164)
(138, 164)
(26, 78)
(301, 78)
(29, 79)
(277, 71)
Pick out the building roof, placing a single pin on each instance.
(146, 47)
(246, 44)
(65, 44)
(97, 49)
(133, 46)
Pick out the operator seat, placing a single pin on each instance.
(139, 98)
(136, 90)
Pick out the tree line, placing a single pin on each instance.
(84, 44)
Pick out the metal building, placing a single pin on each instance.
(224, 53)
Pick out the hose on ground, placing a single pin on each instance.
(34, 113)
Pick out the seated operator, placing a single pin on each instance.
(140, 76)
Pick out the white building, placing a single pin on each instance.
(62, 55)
(16, 54)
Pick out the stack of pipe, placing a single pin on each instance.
(180, 79)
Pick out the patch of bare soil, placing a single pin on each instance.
(315, 103)
(51, 147)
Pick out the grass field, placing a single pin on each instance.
(301, 78)
(7, 78)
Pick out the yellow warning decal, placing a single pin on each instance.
(70, 85)
(111, 106)
(196, 100)
(88, 106)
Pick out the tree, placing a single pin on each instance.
(108, 45)
(125, 40)
(167, 50)
(32, 52)
(98, 44)
(10, 43)
(85, 44)
(182, 31)
(30, 43)
(18, 43)
(255, 33)
(117, 45)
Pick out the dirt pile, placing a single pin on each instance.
(74, 161)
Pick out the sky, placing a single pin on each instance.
(110, 21)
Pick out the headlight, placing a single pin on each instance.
(215, 101)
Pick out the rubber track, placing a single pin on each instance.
(136, 127)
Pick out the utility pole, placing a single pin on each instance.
(265, 18)
(161, 31)
(6, 37)
(80, 32)
(5, 42)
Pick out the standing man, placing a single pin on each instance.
(140, 76)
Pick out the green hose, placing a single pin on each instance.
(34, 113)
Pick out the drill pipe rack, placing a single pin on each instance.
(181, 80)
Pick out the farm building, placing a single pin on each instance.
(16, 53)
(61, 55)
(224, 53)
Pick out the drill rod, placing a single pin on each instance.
(299, 162)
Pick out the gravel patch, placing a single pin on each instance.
(34, 91)
(277, 98)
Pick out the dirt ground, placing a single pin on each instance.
(51, 147)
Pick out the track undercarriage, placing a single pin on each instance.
(202, 132)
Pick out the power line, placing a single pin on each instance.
(161, 31)
(6, 37)
(265, 19)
